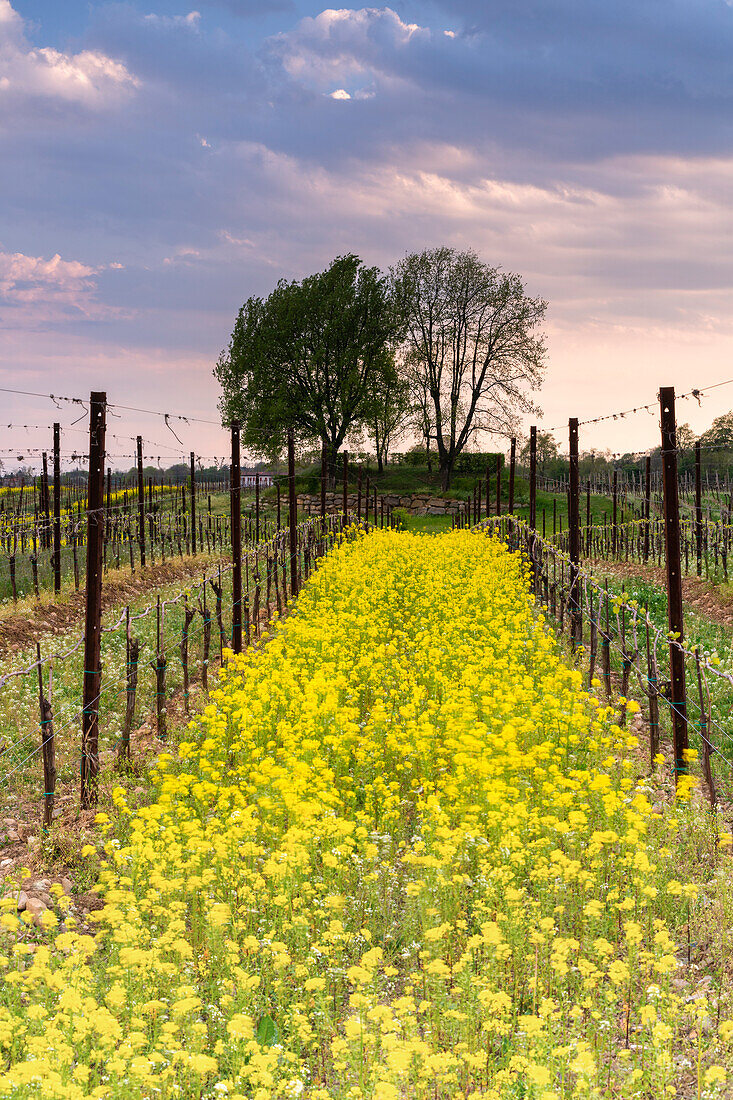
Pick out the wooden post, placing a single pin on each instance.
(93, 618)
(698, 510)
(235, 492)
(57, 508)
(293, 501)
(133, 656)
(647, 504)
(257, 509)
(46, 503)
(358, 497)
(512, 466)
(278, 505)
(533, 477)
(193, 504)
(574, 533)
(323, 482)
(674, 577)
(140, 501)
(48, 745)
(614, 531)
(498, 486)
(346, 484)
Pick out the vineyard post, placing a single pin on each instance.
(140, 501)
(488, 494)
(574, 525)
(358, 497)
(46, 542)
(498, 486)
(532, 477)
(346, 483)
(512, 465)
(278, 505)
(587, 504)
(698, 510)
(293, 501)
(647, 503)
(323, 483)
(93, 618)
(193, 504)
(57, 508)
(674, 577)
(48, 745)
(235, 505)
(614, 535)
(257, 508)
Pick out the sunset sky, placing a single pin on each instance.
(160, 164)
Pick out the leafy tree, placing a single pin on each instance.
(719, 435)
(389, 407)
(310, 357)
(473, 343)
(547, 450)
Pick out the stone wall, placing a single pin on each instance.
(417, 504)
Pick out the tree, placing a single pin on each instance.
(389, 407)
(472, 339)
(547, 450)
(310, 357)
(719, 436)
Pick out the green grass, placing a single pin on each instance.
(424, 525)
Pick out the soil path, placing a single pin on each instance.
(20, 626)
(698, 595)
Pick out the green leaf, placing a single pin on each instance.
(267, 1032)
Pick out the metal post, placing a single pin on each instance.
(57, 507)
(674, 577)
(93, 617)
(498, 486)
(698, 510)
(140, 500)
(647, 504)
(46, 503)
(323, 483)
(574, 532)
(257, 509)
(193, 503)
(293, 515)
(533, 476)
(512, 465)
(346, 483)
(235, 504)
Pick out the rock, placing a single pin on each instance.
(35, 906)
(41, 884)
(22, 901)
(67, 885)
(12, 834)
(5, 863)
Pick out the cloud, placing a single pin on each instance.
(45, 292)
(343, 44)
(89, 78)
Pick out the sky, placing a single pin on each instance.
(160, 163)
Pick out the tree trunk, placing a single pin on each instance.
(446, 473)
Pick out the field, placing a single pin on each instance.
(402, 852)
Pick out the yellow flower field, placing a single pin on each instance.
(403, 853)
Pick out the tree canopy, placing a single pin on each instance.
(311, 357)
(472, 346)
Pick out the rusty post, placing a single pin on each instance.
(93, 616)
(698, 509)
(57, 508)
(574, 533)
(674, 578)
(293, 515)
(235, 491)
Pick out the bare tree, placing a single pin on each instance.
(472, 346)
